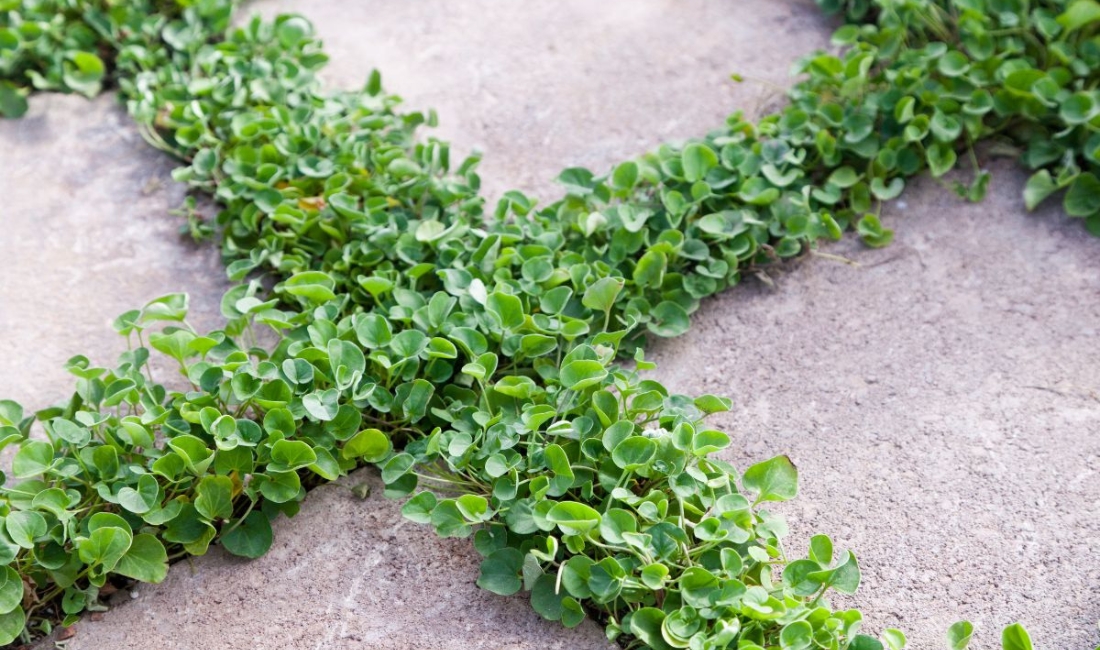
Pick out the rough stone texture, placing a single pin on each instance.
(942, 403)
(539, 86)
(85, 236)
(941, 399)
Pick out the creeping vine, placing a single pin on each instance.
(383, 316)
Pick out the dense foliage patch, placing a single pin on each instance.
(384, 316)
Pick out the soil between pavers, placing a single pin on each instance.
(941, 400)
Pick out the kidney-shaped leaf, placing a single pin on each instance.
(772, 480)
(146, 560)
(573, 518)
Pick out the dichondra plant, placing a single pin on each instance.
(384, 317)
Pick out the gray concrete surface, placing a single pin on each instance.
(942, 403)
(85, 236)
(539, 86)
(941, 399)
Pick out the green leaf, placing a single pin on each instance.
(448, 520)
(12, 102)
(1039, 186)
(757, 191)
(314, 286)
(70, 432)
(414, 398)
(373, 330)
(293, 31)
(501, 571)
(327, 467)
(85, 73)
(196, 456)
(35, 457)
(25, 527)
(844, 177)
(872, 233)
(573, 518)
(576, 180)
(347, 362)
(708, 442)
(11, 589)
(697, 160)
(669, 319)
(214, 498)
(864, 642)
(280, 487)
(251, 537)
(1080, 14)
(1092, 225)
(798, 635)
(11, 625)
(11, 413)
(958, 635)
(322, 405)
(634, 452)
(845, 577)
(1015, 637)
(146, 560)
(650, 270)
(601, 295)
(953, 64)
(370, 445)
(772, 480)
(419, 508)
(821, 549)
(625, 176)
(1079, 108)
(171, 307)
(545, 598)
(144, 498)
(474, 508)
(654, 575)
(291, 455)
(645, 624)
(104, 547)
(397, 467)
(709, 404)
(279, 420)
(409, 344)
(518, 387)
(697, 586)
(1083, 197)
(884, 192)
(430, 230)
(583, 373)
(55, 501)
(941, 158)
(506, 309)
(895, 639)
(376, 286)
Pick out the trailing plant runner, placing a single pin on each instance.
(471, 355)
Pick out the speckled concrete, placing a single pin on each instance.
(85, 235)
(942, 403)
(941, 399)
